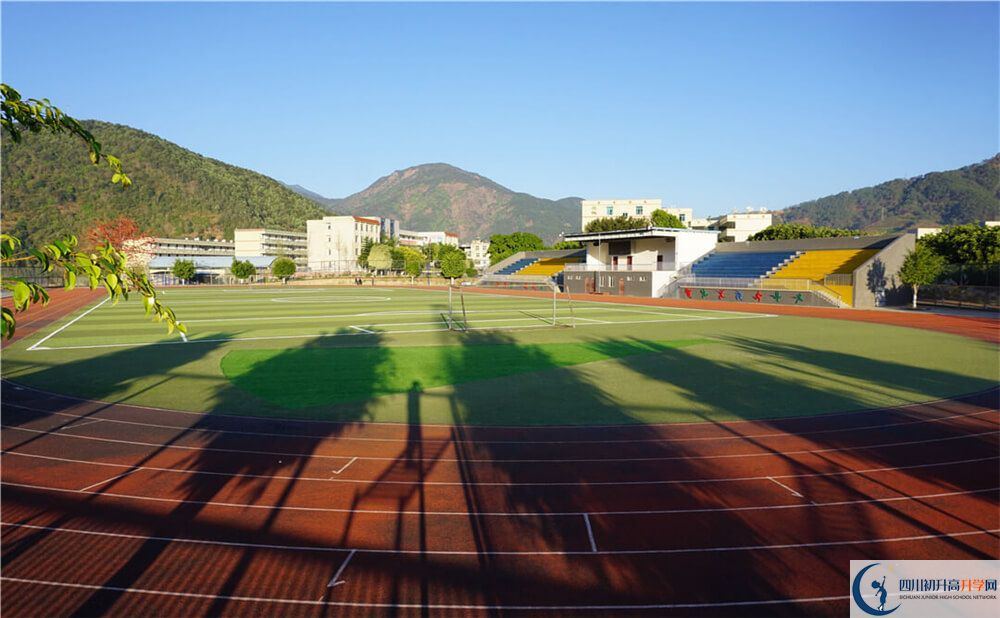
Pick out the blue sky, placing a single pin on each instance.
(709, 106)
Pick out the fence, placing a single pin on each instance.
(648, 267)
(971, 296)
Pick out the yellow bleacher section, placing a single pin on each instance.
(817, 265)
(548, 267)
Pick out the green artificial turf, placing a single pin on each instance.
(305, 377)
(354, 355)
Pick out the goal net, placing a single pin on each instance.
(475, 309)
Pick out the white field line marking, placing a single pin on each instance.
(344, 467)
(423, 606)
(576, 317)
(504, 461)
(394, 332)
(89, 422)
(910, 421)
(793, 492)
(105, 481)
(329, 299)
(590, 533)
(183, 336)
(894, 409)
(335, 581)
(364, 330)
(320, 509)
(280, 477)
(65, 326)
(444, 552)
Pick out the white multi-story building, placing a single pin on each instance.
(478, 253)
(259, 241)
(191, 247)
(335, 242)
(388, 228)
(736, 226)
(420, 239)
(601, 209)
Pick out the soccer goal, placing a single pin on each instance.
(471, 309)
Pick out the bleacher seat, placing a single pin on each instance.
(740, 265)
(817, 265)
(515, 266)
(549, 267)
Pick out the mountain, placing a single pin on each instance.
(50, 188)
(438, 196)
(967, 195)
(328, 203)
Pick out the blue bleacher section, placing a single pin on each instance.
(740, 265)
(513, 267)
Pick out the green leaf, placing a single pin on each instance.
(112, 280)
(21, 295)
(70, 279)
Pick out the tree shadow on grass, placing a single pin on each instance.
(195, 461)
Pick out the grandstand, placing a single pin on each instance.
(824, 266)
(742, 265)
(531, 269)
(839, 272)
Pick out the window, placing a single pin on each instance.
(638, 210)
(611, 210)
(683, 217)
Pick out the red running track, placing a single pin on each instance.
(111, 509)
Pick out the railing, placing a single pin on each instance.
(601, 268)
(803, 285)
(839, 279)
(518, 278)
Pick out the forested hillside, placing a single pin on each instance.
(50, 188)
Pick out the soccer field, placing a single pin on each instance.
(364, 353)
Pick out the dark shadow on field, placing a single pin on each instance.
(258, 464)
(866, 443)
(494, 479)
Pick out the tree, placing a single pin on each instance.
(242, 269)
(283, 268)
(563, 245)
(183, 270)
(621, 222)
(922, 266)
(966, 244)
(413, 261)
(795, 231)
(380, 258)
(503, 246)
(471, 271)
(453, 265)
(105, 265)
(662, 218)
(366, 248)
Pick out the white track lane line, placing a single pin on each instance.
(590, 533)
(83, 424)
(191, 429)
(344, 467)
(106, 481)
(422, 606)
(279, 477)
(793, 492)
(36, 345)
(397, 512)
(364, 330)
(560, 552)
(335, 580)
(896, 408)
(768, 453)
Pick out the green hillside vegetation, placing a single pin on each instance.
(438, 196)
(51, 189)
(967, 195)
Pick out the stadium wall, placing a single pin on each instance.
(877, 283)
(785, 297)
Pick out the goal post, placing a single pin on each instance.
(558, 315)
